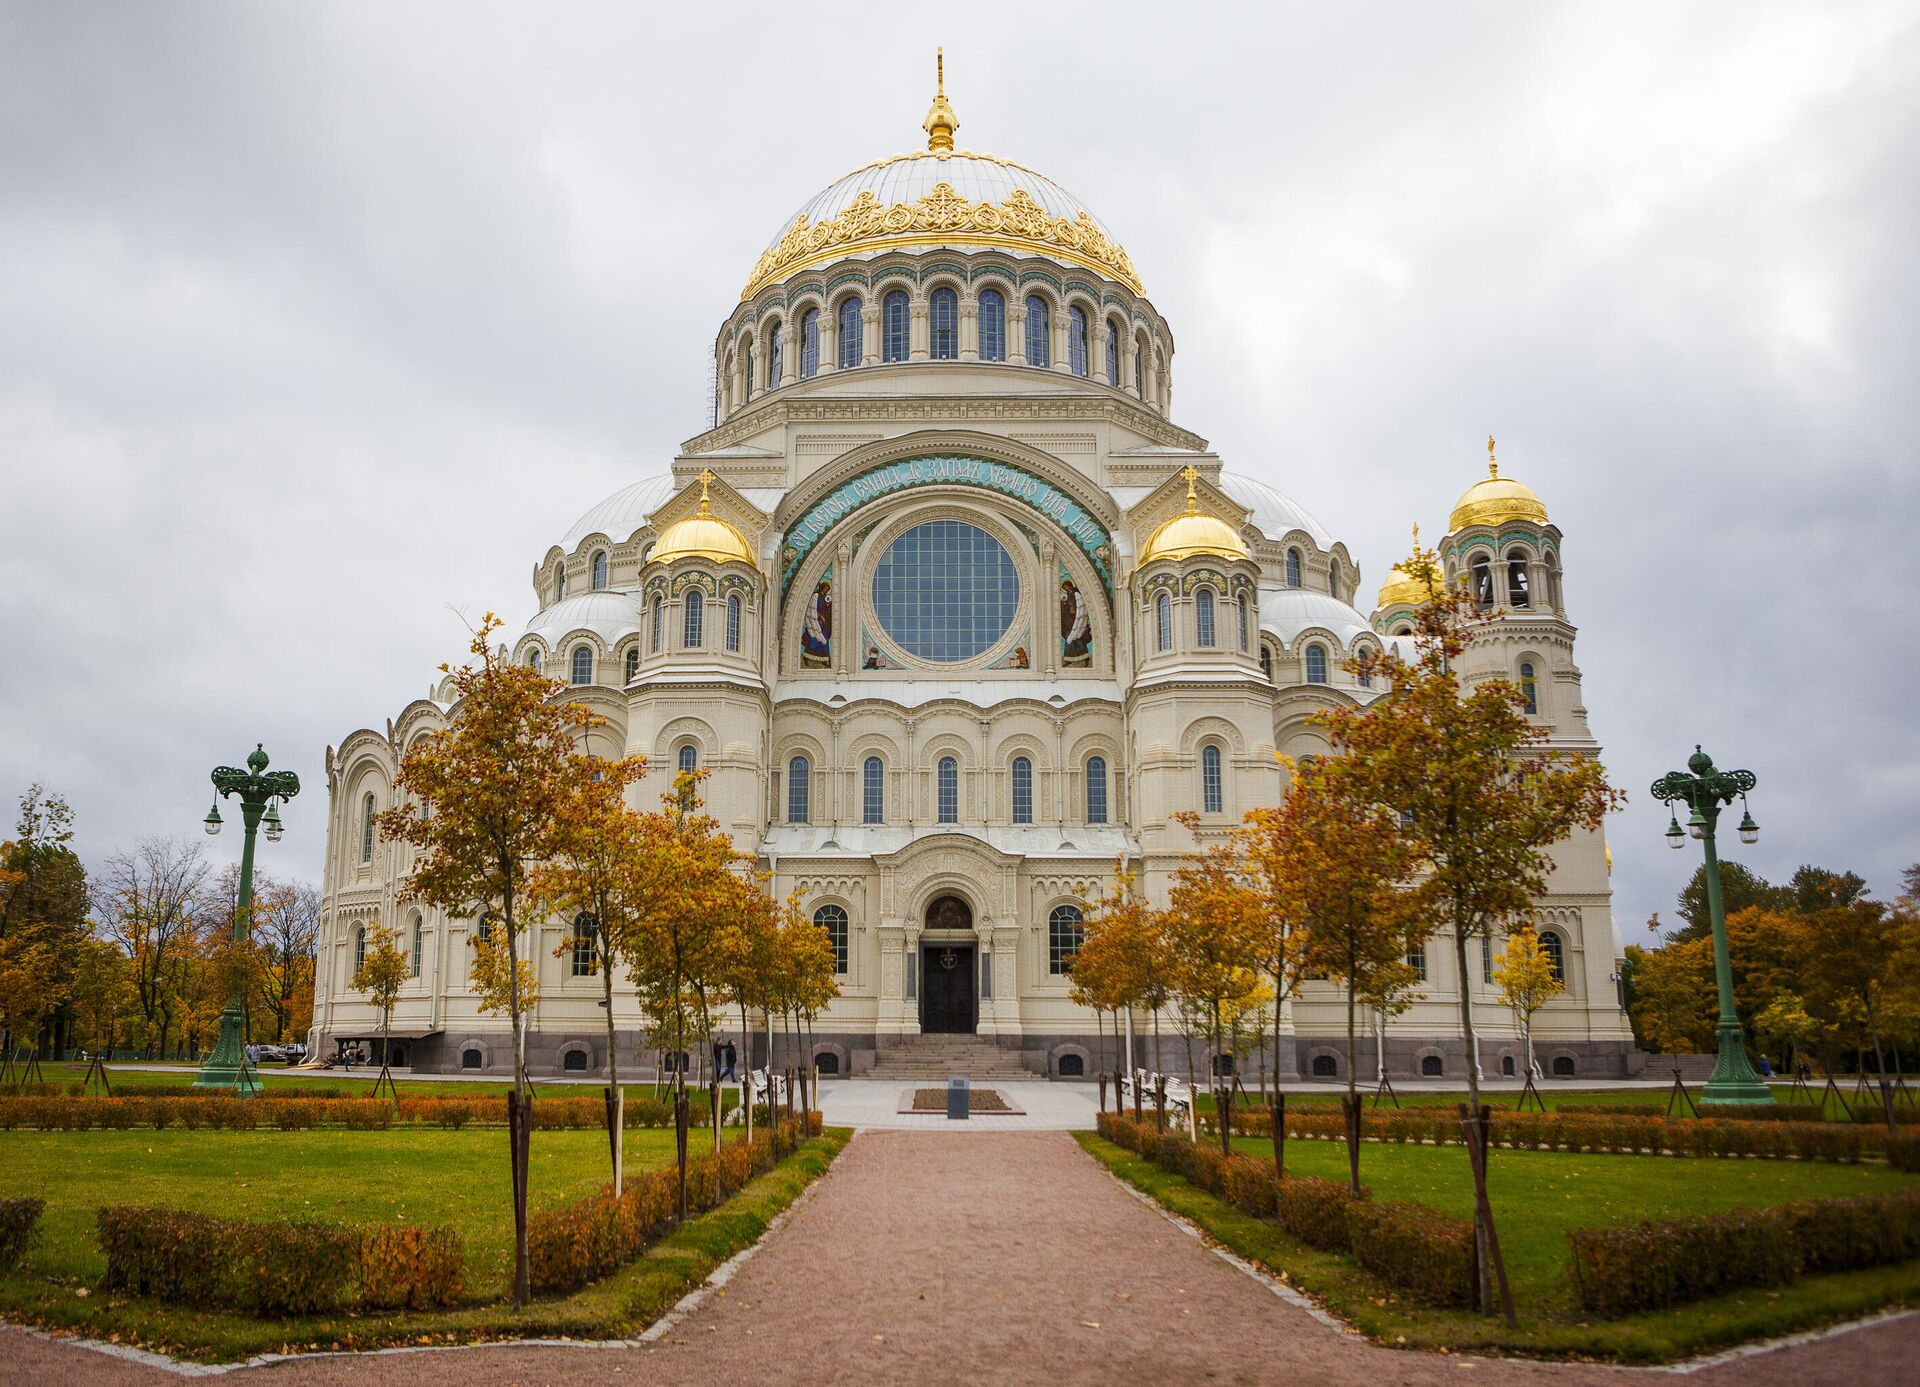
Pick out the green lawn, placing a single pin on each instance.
(414, 1175)
(359, 1082)
(1556, 1099)
(1537, 1197)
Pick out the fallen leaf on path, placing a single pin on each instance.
(1091, 1324)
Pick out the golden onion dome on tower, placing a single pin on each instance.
(1192, 532)
(702, 535)
(1494, 500)
(1401, 588)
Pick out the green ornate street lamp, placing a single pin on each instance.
(1704, 792)
(260, 792)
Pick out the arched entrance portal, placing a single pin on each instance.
(949, 1004)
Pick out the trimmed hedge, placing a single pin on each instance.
(1648, 1266)
(19, 1220)
(1318, 1212)
(571, 1247)
(285, 1267)
(1903, 1151)
(301, 1112)
(1421, 1249)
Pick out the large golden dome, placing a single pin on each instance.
(942, 196)
(1494, 500)
(1192, 532)
(702, 535)
(1402, 590)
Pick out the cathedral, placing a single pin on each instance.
(954, 615)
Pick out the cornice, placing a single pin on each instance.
(920, 411)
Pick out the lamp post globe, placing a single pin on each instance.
(1706, 790)
(258, 789)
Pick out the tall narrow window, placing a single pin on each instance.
(659, 622)
(1519, 594)
(1140, 369)
(1529, 688)
(1163, 622)
(1483, 583)
(833, 919)
(873, 791)
(798, 776)
(1316, 664)
(689, 758)
(943, 325)
(947, 790)
(1096, 789)
(582, 664)
(746, 372)
(1333, 576)
(810, 344)
(1022, 790)
(1212, 794)
(559, 583)
(693, 618)
(774, 351)
(359, 947)
(419, 946)
(1063, 938)
(599, 569)
(1203, 618)
(1556, 954)
(633, 662)
(581, 956)
(1077, 340)
(851, 332)
(533, 661)
(1113, 352)
(993, 325)
(1245, 623)
(896, 324)
(733, 621)
(1293, 568)
(1266, 663)
(1486, 958)
(1417, 960)
(366, 829)
(1039, 332)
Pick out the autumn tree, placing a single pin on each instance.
(482, 804)
(1215, 929)
(43, 891)
(286, 931)
(1523, 971)
(1849, 970)
(383, 971)
(102, 993)
(1121, 961)
(31, 989)
(148, 901)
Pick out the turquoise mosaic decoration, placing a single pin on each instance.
(1000, 477)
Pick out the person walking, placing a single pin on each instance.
(732, 1058)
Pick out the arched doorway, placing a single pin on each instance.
(949, 1003)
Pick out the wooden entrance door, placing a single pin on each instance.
(947, 990)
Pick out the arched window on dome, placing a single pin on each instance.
(947, 791)
(1096, 789)
(993, 325)
(1163, 622)
(1529, 687)
(849, 333)
(775, 350)
(833, 919)
(1022, 790)
(943, 325)
(559, 582)
(799, 778)
(1039, 332)
(809, 344)
(533, 661)
(733, 621)
(366, 828)
(1556, 954)
(1518, 592)
(1316, 664)
(1246, 622)
(1140, 367)
(1333, 576)
(1113, 352)
(1266, 662)
(659, 624)
(633, 663)
(895, 326)
(1483, 583)
(1203, 618)
(1293, 568)
(583, 664)
(1077, 353)
(1212, 792)
(599, 579)
(746, 373)
(688, 759)
(693, 619)
(1403, 631)
(873, 791)
(1365, 676)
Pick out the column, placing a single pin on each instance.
(1016, 330)
(1058, 324)
(917, 329)
(969, 330)
(789, 354)
(829, 341)
(1129, 352)
(870, 332)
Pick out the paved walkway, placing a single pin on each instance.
(932, 1258)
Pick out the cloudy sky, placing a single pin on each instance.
(319, 324)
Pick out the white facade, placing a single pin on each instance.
(1052, 620)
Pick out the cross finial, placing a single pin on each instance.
(1493, 466)
(1192, 474)
(941, 122)
(1416, 534)
(706, 480)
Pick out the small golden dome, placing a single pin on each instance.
(702, 536)
(1191, 533)
(1401, 590)
(1494, 500)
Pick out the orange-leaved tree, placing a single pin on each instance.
(1216, 930)
(383, 971)
(1121, 961)
(1523, 971)
(482, 803)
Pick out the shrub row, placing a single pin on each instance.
(19, 1218)
(1903, 1151)
(301, 1113)
(1648, 1266)
(286, 1267)
(571, 1247)
(1410, 1245)
(1579, 1132)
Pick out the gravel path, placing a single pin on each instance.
(984, 1258)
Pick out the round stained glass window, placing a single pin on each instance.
(946, 591)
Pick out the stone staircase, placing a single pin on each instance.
(935, 1058)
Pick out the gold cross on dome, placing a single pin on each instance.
(1192, 474)
(1493, 467)
(706, 480)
